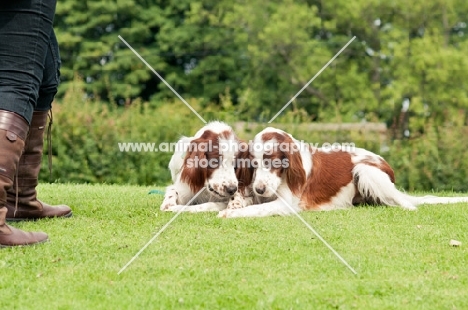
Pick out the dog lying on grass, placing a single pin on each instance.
(290, 176)
(204, 171)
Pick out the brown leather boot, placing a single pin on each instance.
(27, 206)
(10, 236)
(13, 131)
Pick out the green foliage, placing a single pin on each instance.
(264, 52)
(435, 161)
(86, 137)
(88, 34)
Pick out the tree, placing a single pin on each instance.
(261, 54)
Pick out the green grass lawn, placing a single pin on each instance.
(403, 259)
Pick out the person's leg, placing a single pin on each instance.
(51, 76)
(13, 131)
(22, 197)
(25, 27)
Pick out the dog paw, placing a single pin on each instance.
(176, 208)
(236, 202)
(168, 203)
(165, 206)
(224, 213)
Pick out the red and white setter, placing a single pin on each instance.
(291, 176)
(206, 161)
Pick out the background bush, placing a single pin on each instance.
(86, 134)
(435, 160)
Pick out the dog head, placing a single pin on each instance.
(277, 159)
(210, 161)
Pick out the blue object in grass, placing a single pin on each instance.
(156, 191)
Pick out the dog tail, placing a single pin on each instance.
(376, 186)
(433, 200)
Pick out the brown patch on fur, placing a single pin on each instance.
(295, 174)
(271, 135)
(330, 172)
(382, 165)
(385, 167)
(195, 175)
(226, 134)
(244, 167)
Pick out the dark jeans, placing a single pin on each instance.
(29, 56)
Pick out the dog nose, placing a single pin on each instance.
(231, 189)
(260, 189)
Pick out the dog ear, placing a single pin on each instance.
(243, 166)
(295, 174)
(193, 171)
